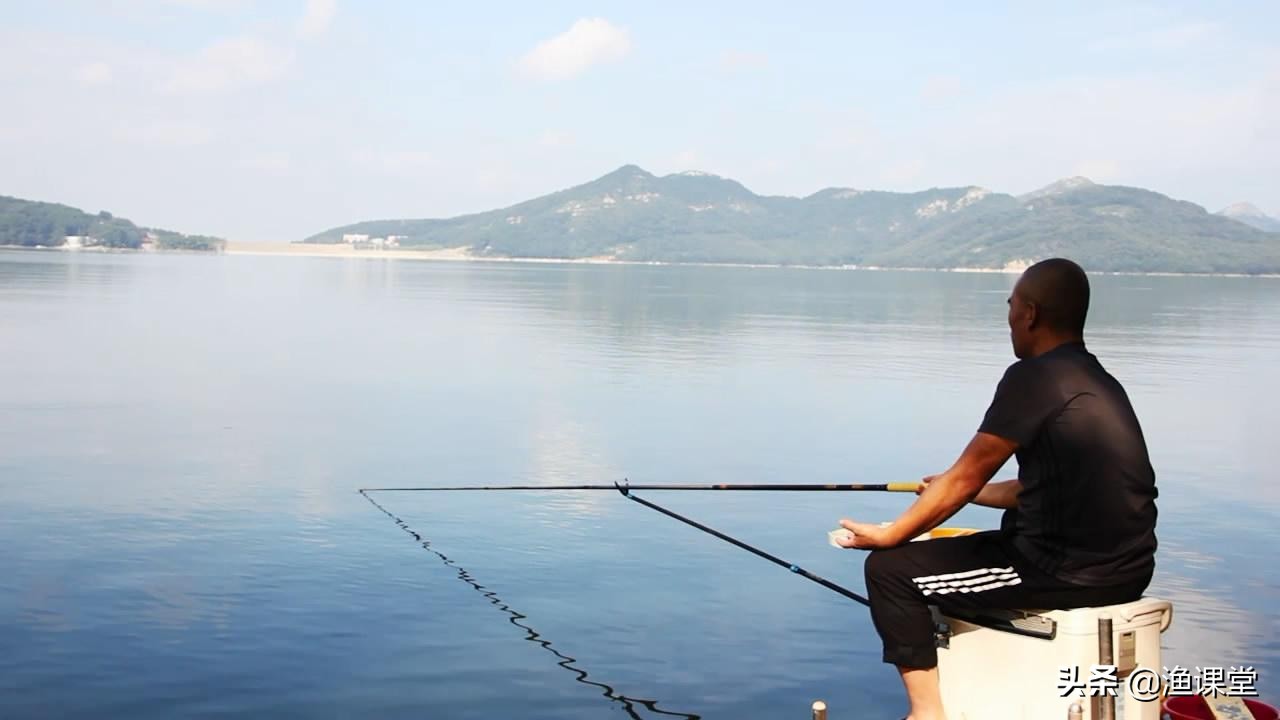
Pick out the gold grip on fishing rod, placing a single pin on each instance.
(902, 487)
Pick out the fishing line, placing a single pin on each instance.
(568, 663)
(766, 487)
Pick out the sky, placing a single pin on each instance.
(276, 119)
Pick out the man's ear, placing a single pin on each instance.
(1033, 316)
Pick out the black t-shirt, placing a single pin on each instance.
(1086, 513)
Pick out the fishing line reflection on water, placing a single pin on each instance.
(629, 704)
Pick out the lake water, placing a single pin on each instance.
(182, 439)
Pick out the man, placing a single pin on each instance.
(1079, 522)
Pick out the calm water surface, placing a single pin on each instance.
(182, 438)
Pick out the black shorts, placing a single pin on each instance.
(970, 572)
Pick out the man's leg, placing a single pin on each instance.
(923, 692)
(900, 582)
(973, 571)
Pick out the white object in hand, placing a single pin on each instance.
(839, 534)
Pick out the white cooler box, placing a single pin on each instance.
(991, 674)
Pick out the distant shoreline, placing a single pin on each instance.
(461, 254)
(102, 250)
(314, 250)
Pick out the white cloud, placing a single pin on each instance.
(937, 88)
(392, 161)
(847, 131)
(685, 160)
(556, 139)
(207, 4)
(591, 41)
(317, 18)
(93, 74)
(495, 176)
(167, 133)
(1099, 170)
(1138, 130)
(737, 60)
(230, 64)
(270, 161)
(904, 174)
(839, 129)
(1179, 36)
(1207, 143)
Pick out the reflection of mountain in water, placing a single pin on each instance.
(633, 301)
(44, 276)
(638, 307)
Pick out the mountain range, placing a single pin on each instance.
(1249, 214)
(633, 215)
(27, 223)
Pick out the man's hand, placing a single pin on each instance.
(924, 483)
(866, 536)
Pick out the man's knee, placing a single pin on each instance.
(878, 567)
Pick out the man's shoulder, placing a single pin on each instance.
(1066, 358)
(1076, 361)
(1024, 370)
(1023, 399)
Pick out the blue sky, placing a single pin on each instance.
(271, 119)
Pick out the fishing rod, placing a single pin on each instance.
(1019, 622)
(626, 492)
(1015, 621)
(768, 487)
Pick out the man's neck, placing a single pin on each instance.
(1052, 342)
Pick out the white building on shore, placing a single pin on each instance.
(359, 241)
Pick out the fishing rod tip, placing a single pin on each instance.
(626, 491)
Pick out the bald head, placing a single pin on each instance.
(1060, 291)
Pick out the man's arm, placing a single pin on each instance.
(946, 494)
(1001, 495)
